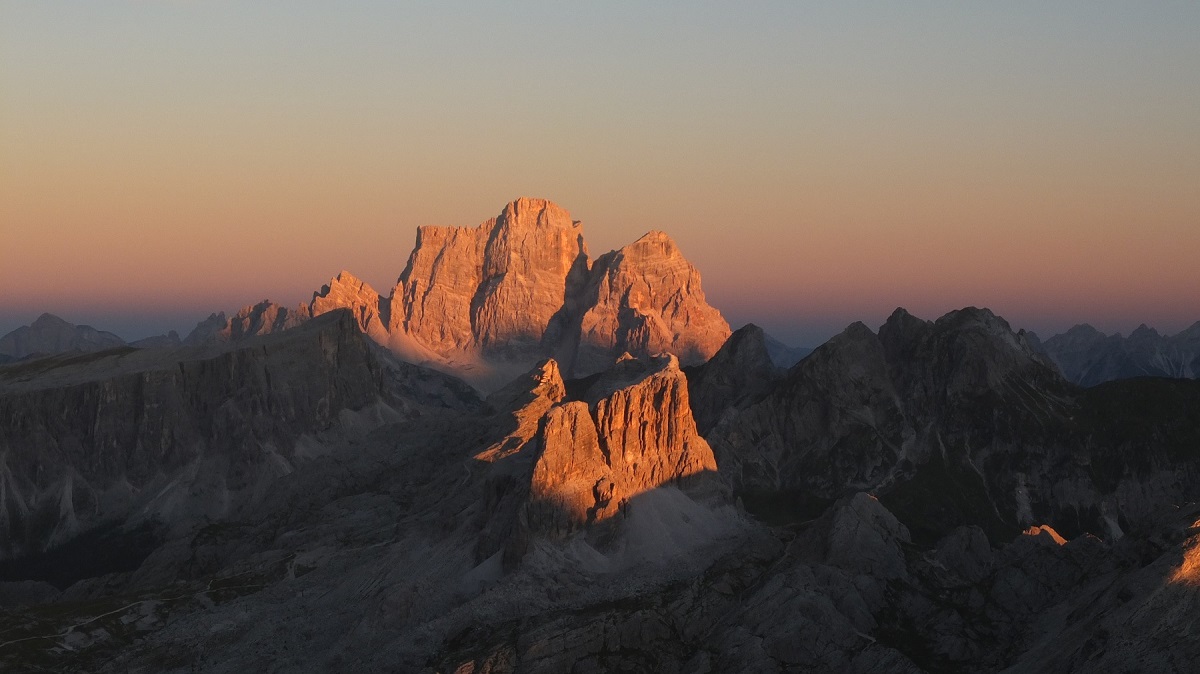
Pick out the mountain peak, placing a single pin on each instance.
(50, 334)
(1144, 331)
(520, 287)
(654, 242)
(856, 330)
(902, 322)
(345, 276)
(538, 212)
(750, 333)
(48, 320)
(654, 235)
(975, 316)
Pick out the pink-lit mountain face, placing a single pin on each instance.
(487, 302)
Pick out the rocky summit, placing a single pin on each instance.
(521, 286)
(485, 303)
(313, 489)
(50, 335)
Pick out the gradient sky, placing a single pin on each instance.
(819, 163)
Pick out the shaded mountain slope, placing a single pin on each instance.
(960, 421)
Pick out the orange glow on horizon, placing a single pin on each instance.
(814, 165)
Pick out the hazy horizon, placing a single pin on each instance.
(798, 331)
(819, 164)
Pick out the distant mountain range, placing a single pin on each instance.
(317, 490)
(1083, 354)
(487, 302)
(1088, 357)
(49, 335)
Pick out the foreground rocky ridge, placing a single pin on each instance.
(183, 434)
(457, 512)
(585, 523)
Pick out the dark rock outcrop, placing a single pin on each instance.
(740, 372)
(959, 422)
(176, 434)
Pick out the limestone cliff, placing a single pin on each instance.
(345, 291)
(432, 300)
(646, 298)
(487, 302)
(499, 287)
(534, 260)
(633, 432)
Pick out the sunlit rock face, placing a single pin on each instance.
(488, 302)
(521, 287)
(263, 318)
(535, 260)
(345, 291)
(1046, 532)
(432, 301)
(646, 298)
(633, 432)
(571, 461)
(496, 287)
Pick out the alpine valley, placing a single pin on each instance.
(526, 459)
